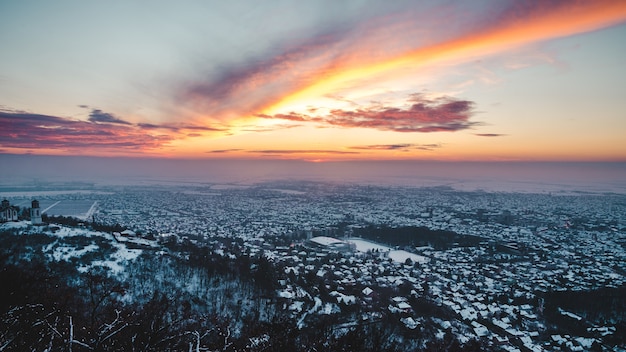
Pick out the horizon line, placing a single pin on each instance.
(317, 160)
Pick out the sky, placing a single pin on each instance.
(315, 80)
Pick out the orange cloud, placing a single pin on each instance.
(386, 45)
(521, 24)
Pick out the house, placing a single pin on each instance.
(8, 212)
(128, 233)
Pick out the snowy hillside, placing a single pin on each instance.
(86, 248)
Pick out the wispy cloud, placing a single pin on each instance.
(290, 117)
(489, 134)
(178, 127)
(277, 127)
(400, 146)
(223, 151)
(98, 116)
(301, 151)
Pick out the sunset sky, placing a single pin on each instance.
(315, 80)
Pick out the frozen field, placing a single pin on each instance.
(79, 208)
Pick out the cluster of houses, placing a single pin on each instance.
(535, 243)
(499, 304)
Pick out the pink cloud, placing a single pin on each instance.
(103, 132)
(422, 115)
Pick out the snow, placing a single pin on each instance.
(296, 306)
(585, 342)
(330, 308)
(364, 246)
(399, 256)
(347, 299)
(258, 341)
(137, 240)
(569, 314)
(14, 225)
(285, 294)
(481, 331)
(74, 232)
(404, 306)
(63, 253)
(410, 323)
(31, 194)
(128, 233)
(117, 261)
(326, 241)
(318, 305)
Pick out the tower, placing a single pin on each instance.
(35, 213)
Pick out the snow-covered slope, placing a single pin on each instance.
(84, 247)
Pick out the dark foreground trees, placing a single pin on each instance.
(186, 299)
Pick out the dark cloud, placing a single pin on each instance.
(102, 132)
(220, 151)
(402, 147)
(177, 128)
(282, 151)
(27, 130)
(383, 146)
(296, 151)
(422, 115)
(489, 134)
(99, 116)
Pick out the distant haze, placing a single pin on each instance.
(489, 176)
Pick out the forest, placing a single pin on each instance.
(600, 307)
(414, 236)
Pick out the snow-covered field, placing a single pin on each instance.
(31, 194)
(399, 256)
(81, 209)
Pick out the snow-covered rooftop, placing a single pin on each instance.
(326, 241)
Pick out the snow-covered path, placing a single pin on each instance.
(318, 305)
(50, 207)
(91, 210)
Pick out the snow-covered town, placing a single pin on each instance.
(472, 269)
